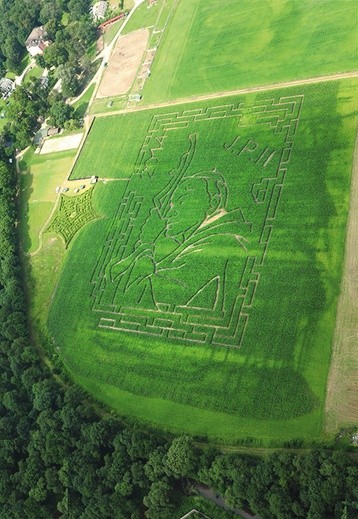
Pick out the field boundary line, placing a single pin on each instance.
(88, 125)
(342, 398)
(227, 93)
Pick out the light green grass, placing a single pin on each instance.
(81, 105)
(112, 31)
(10, 75)
(109, 104)
(65, 19)
(40, 176)
(3, 120)
(273, 386)
(34, 73)
(216, 46)
(144, 16)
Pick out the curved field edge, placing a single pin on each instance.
(293, 41)
(110, 361)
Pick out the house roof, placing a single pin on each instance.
(99, 9)
(6, 84)
(53, 131)
(37, 35)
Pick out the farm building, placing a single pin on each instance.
(37, 41)
(6, 87)
(53, 131)
(43, 80)
(135, 97)
(99, 10)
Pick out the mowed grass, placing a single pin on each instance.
(112, 31)
(273, 387)
(40, 176)
(212, 46)
(145, 16)
(82, 103)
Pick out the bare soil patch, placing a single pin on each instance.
(123, 64)
(342, 390)
(70, 142)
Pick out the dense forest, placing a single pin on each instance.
(63, 457)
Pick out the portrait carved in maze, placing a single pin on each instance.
(184, 254)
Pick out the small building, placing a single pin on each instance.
(6, 87)
(37, 41)
(43, 80)
(99, 10)
(135, 97)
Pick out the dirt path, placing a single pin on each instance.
(342, 388)
(206, 492)
(215, 95)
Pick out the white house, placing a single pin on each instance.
(6, 87)
(99, 10)
(37, 41)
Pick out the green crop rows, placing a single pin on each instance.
(72, 214)
(212, 46)
(208, 291)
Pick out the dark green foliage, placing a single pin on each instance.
(285, 486)
(18, 18)
(60, 112)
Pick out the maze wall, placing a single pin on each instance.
(159, 273)
(73, 213)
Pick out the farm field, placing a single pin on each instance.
(146, 17)
(250, 43)
(205, 301)
(40, 176)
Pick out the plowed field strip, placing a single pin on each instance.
(342, 390)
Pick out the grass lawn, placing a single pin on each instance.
(144, 16)
(266, 268)
(82, 103)
(34, 73)
(3, 120)
(109, 104)
(40, 176)
(250, 43)
(112, 31)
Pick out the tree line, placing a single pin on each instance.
(60, 457)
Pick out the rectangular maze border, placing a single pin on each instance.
(282, 116)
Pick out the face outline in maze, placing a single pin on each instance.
(188, 218)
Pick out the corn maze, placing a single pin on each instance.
(161, 271)
(72, 214)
